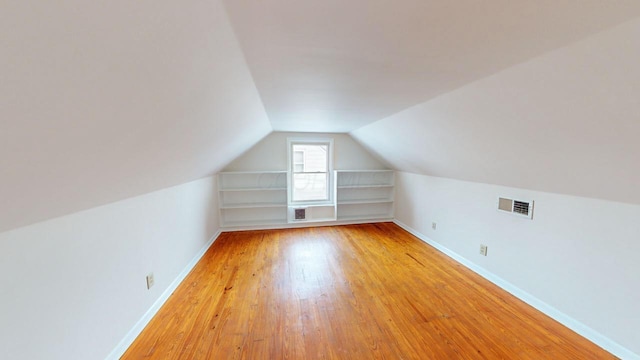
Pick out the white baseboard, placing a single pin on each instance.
(140, 325)
(303, 224)
(580, 328)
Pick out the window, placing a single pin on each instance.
(310, 164)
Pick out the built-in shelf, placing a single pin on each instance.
(252, 180)
(259, 198)
(255, 189)
(249, 205)
(366, 201)
(364, 194)
(253, 198)
(364, 186)
(253, 223)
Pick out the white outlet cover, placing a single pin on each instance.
(150, 281)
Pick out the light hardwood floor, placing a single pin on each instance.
(348, 292)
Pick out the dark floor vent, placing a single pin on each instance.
(300, 214)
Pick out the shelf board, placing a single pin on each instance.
(366, 217)
(364, 186)
(254, 223)
(364, 171)
(253, 205)
(255, 189)
(253, 172)
(367, 201)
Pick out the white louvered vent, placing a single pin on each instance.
(521, 207)
(516, 207)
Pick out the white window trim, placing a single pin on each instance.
(311, 141)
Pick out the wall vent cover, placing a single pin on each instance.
(516, 207)
(300, 214)
(521, 207)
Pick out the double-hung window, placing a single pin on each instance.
(310, 171)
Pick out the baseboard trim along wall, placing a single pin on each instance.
(303, 225)
(585, 331)
(146, 318)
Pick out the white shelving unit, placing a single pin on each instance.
(259, 198)
(364, 194)
(255, 198)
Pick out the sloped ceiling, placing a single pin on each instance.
(105, 100)
(334, 65)
(566, 122)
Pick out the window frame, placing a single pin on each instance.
(290, 157)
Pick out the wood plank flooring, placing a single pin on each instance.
(348, 292)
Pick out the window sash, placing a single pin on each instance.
(310, 186)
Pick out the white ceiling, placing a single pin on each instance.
(337, 65)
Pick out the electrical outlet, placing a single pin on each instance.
(483, 249)
(150, 281)
(433, 225)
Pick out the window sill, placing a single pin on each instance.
(312, 203)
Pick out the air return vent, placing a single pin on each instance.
(516, 207)
(300, 214)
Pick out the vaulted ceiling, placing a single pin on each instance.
(336, 65)
(105, 100)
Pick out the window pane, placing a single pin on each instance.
(313, 157)
(310, 187)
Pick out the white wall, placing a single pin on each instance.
(73, 287)
(271, 153)
(578, 255)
